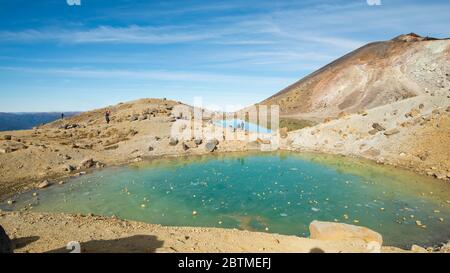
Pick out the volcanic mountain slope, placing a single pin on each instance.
(376, 74)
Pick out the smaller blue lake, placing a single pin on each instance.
(243, 125)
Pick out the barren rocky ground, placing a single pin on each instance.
(413, 134)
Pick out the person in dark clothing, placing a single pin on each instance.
(107, 114)
(62, 115)
(6, 246)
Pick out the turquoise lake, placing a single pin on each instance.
(247, 126)
(268, 192)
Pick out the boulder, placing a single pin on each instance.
(214, 140)
(111, 147)
(284, 132)
(391, 132)
(329, 231)
(378, 127)
(173, 141)
(413, 113)
(5, 242)
(87, 163)
(254, 145)
(211, 145)
(44, 184)
(198, 141)
(342, 115)
(189, 145)
(418, 249)
(423, 155)
(88, 146)
(7, 137)
(372, 152)
(436, 112)
(69, 168)
(263, 141)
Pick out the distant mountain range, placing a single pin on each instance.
(24, 121)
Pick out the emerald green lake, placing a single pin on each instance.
(268, 192)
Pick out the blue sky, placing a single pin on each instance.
(56, 57)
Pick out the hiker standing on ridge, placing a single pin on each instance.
(107, 114)
(62, 115)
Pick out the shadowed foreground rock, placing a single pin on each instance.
(5, 242)
(328, 231)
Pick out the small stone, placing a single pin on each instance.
(150, 149)
(440, 175)
(87, 163)
(69, 168)
(423, 155)
(35, 194)
(143, 206)
(10, 202)
(211, 146)
(111, 147)
(391, 132)
(44, 184)
(441, 219)
(189, 145)
(194, 213)
(173, 141)
(412, 113)
(378, 127)
(418, 249)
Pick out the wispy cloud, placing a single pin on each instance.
(153, 75)
(108, 34)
